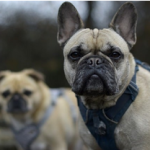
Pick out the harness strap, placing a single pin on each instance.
(74, 113)
(54, 97)
(143, 64)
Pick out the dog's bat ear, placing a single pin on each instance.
(3, 74)
(124, 23)
(37, 76)
(69, 22)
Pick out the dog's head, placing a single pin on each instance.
(20, 92)
(97, 62)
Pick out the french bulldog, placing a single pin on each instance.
(26, 100)
(99, 67)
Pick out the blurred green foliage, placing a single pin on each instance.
(27, 46)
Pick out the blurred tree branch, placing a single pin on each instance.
(89, 20)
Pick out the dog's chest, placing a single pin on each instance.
(128, 133)
(123, 139)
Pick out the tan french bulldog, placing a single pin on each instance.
(100, 68)
(39, 120)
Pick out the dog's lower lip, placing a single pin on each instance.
(95, 76)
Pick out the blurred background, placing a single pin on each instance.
(28, 32)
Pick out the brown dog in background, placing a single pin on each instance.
(25, 99)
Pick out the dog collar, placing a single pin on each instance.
(102, 122)
(30, 132)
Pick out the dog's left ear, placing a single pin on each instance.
(3, 74)
(69, 22)
(124, 23)
(37, 76)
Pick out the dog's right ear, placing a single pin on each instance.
(124, 23)
(37, 76)
(69, 22)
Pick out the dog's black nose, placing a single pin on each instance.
(94, 62)
(17, 104)
(16, 97)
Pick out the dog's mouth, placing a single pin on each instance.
(92, 84)
(17, 110)
(14, 109)
(94, 76)
(95, 83)
(17, 105)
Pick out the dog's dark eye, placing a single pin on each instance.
(6, 93)
(27, 92)
(115, 55)
(75, 55)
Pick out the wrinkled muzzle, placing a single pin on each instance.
(95, 76)
(17, 104)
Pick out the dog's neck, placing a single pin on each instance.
(20, 122)
(101, 102)
(97, 102)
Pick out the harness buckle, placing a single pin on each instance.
(100, 127)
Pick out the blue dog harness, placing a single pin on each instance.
(30, 132)
(102, 122)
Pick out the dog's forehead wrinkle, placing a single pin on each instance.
(95, 41)
(95, 33)
(114, 38)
